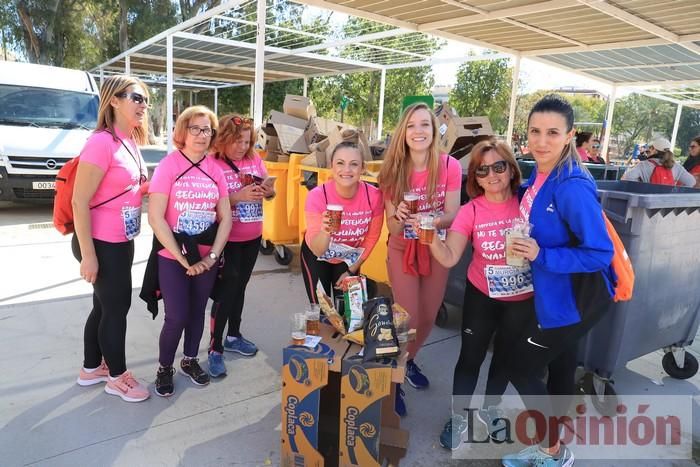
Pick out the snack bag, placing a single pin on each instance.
(328, 309)
(354, 296)
(357, 337)
(401, 319)
(380, 334)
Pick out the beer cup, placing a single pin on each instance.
(519, 229)
(336, 213)
(313, 317)
(426, 228)
(411, 199)
(298, 328)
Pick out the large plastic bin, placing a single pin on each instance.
(660, 227)
(277, 231)
(598, 171)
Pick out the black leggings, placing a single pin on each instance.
(483, 316)
(314, 270)
(239, 261)
(105, 328)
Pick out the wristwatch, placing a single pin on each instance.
(213, 255)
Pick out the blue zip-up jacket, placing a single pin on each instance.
(565, 205)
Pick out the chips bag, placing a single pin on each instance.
(380, 334)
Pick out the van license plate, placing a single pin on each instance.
(44, 185)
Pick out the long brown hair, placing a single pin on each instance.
(477, 157)
(111, 87)
(395, 174)
(230, 131)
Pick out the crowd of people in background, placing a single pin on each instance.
(206, 211)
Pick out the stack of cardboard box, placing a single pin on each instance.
(458, 135)
(298, 130)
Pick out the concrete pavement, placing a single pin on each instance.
(47, 420)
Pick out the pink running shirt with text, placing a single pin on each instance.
(530, 193)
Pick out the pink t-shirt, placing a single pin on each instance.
(484, 223)
(118, 220)
(585, 156)
(192, 199)
(249, 225)
(362, 219)
(449, 179)
(530, 193)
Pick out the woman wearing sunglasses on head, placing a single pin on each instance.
(245, 174)
(190, 214)
(329, 252)
(583, 145)
(594, 152)
(692, 163)
(109, 187)
(414, 168)
(490, 307)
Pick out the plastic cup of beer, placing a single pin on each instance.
(411, 199)
(247, 178)
(313, 320)
(519, 229)
(298, 328)
(336, 213)
(426, 228)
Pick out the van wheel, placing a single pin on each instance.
(690, 366)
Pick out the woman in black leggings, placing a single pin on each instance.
(570, 254)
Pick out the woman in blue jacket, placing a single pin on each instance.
(568, 242)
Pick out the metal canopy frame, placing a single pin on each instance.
(650, 46)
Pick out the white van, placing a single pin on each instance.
(46, 115)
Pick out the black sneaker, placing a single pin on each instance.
(190, 367)
(164, 381)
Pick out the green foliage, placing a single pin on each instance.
(483, 88)
(638, 118)
(688, 129)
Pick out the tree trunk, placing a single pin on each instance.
(123, 26)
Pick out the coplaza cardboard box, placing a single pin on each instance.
(290, 131)
(304, 373)
(298, 106)
(463, 133)
(363, 386)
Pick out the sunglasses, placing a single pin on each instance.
(497, 167)
(596, 146)
(134, 97)
(196, 130)
(241, 121)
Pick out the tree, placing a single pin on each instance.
(639, 118)
(483, 88)
(688, 129)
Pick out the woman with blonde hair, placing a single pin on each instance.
(109, 187)
(233, 151)
(416, 178)
(190, 214)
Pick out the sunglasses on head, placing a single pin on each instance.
(596, 146)
(241, 121)
(498, 167)
(134, 97)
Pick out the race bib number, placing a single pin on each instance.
(249, 212)
(131, 217)
(508, 281)
(342, 252)
(195, 222)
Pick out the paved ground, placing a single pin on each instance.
(47, 420)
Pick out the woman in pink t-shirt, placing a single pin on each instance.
(583, 144)
(245, 174)
(497, 297)
(329, 256)
(413, 164)
(109, 186)
(190, 214)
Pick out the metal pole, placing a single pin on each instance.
(252, 100)
(513, 100)
(127, 65)
(608, 124)
(259, 64)
(102, 76)
(169, 92)
(676, 124)
(216, 101)
(306, 86)
(380, 117)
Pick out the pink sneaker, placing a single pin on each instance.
(128, 388)
(100, 375)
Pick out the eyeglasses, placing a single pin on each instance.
(134, 97)
(196, 130)
(596, 146)
(497, 167)
(241, 121)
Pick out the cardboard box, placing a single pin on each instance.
(298, 106)
(463, 133)
(349, 134)
(362, 388)
(319, 128)
(304, 373)
(444, 114)
(290, 131)
(269, 142)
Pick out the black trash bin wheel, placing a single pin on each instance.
(442, 316)
(606, 401)
(690, 366)
(266, 247)
(283, 257)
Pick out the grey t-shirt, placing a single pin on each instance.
(642, 173)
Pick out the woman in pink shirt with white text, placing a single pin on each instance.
(244, 171)
(413, 164)
(109, 186)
